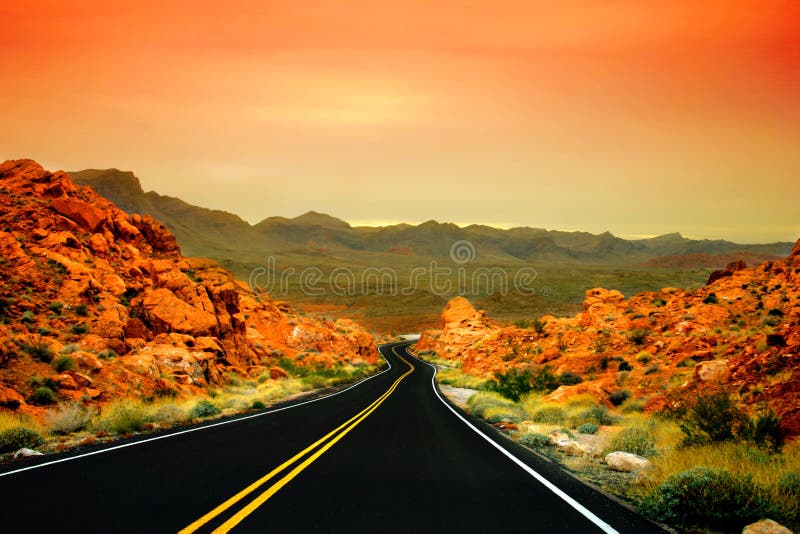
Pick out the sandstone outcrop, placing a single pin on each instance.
(741, 333)
(113, 292)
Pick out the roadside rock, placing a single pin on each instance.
(571, 447)
(25, 452)
(626, 462)
(766, 526)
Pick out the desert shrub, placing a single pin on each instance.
(122, 418)
(688, 362)
(79, 328)
(789, 485)
(67, 418)
(538, 325)
(652, 368)
(522, 324)
(659, 303)
(43, 395)
(712, 419)
(544, 380)
(635, 441)
(549, 414)
(18, 437)
(27, 317)
(619, 396)
(169, 413)
(764, 430)
(598, 415)
(107, 354)
(711, 299)
(624, 366)
(568, 378)
(81, 310)
(638, 335)
(69, 348)
(258, 405)
(512, 384)
(43, 331)
(63, 363)
(588, 428)
(204, 408)
(534, 440)
(604, 362)
(38, 350)
(480, 402)
(708, 498)
(633, 406)
(644, 357)
(55, 307)
(498, 414)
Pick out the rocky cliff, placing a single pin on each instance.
(741, 332)
(81, 277)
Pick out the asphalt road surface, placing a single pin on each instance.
(387, 455)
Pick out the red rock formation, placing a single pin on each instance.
(742, 332)
(77, 270)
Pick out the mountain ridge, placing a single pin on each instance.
(225, 236)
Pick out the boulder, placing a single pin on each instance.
(65, 381)
(626, 462)
(168, 313)
(10, 398)
(88, 360)
(276, 373)
(25, 453)
(81, 379)
(82, 213)
(765, 526)
(717, 371)
(571, 447)
(555, 436)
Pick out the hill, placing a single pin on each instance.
(98, 305)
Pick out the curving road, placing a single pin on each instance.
(387, 455)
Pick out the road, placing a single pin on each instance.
(387, 455)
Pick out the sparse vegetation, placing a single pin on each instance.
(635, 441)
(18, 437)
(67, 418)
(205, 408)
(43, 395)
(63, 363)
(38, 350)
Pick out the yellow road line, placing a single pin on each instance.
(261, 499)
(193, 527)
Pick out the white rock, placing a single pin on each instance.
(571, 447)
(24, 453)
(627, 462)
(766, 526)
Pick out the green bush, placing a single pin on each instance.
(79, 329)
(704, 497)
(620, 396)
(624, 366)
(789, 485)
(588, 428)
(55, 307)
(764, 430)
(43, 395)
(107, 354)
(659, 303)
(204, 408)
(81, 310)
(534, 440)
(63, 363)
(258, 405)
(712, 419)
(549, 414)
(568, 378)
(635, 441)
(598, 415)
(18, 437)
(538, 325)
(27, 317)
(711, 299)
(638, 335)
(512, 384)
(39, 351)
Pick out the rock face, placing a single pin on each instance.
(113, 288)
(741, 333)
(626, 462)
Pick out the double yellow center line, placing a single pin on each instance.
(321, 445)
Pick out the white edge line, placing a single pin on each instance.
(195, 429)
(605, 527)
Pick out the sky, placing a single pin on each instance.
(640, 118)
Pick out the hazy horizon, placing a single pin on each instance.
(629, 117)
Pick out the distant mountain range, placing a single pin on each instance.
(226, 237)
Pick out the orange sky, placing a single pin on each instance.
(635, 117)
